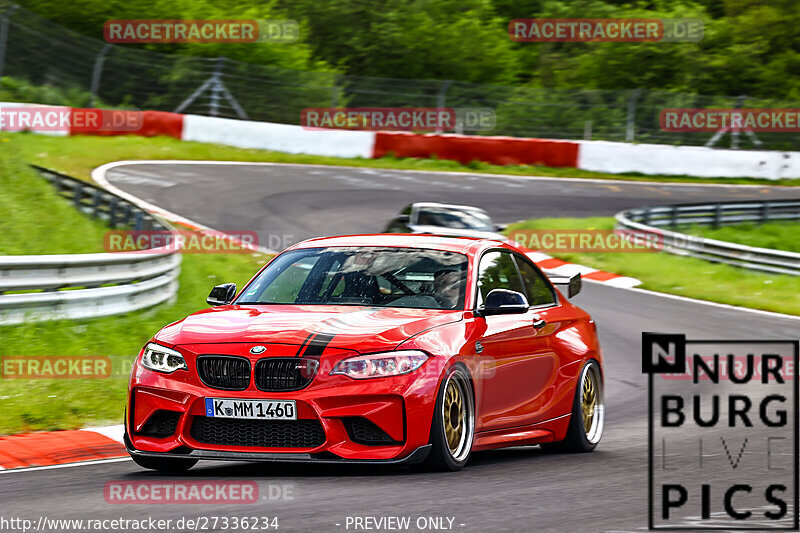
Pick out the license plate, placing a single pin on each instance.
(251, 409)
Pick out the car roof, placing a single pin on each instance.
(447, 206)
(466, 245)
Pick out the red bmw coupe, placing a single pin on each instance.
(391, 349)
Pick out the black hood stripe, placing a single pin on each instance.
(318, 345)
(300, 349)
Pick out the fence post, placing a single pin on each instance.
(735, 131)
(441, 98)
(97, 71)
(631, 125)
(717, 216)
(216, 89)
(335, 91)
(4, 22)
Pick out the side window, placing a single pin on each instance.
(497, 271)
(539, 290)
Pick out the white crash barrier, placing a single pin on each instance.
(699, 161)
(278, 137)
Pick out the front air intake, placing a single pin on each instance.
(226, 372)
(161, 424)
(365, 432)
(285, 374)
(258, 433)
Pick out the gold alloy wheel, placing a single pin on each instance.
(453, 413)
(592, 403)
(457, 417)
(588, 403)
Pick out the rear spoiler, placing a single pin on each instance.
(573, 285)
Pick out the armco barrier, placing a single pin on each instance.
(99, 203)
(98, 284)
(466, 148)
(650, 220)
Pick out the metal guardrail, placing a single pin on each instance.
(646, 224)
(89, 285)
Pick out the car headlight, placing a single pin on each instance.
(378, 365)
(162, 359)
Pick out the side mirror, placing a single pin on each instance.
(222, 294)
(573, 285)
(503, 302)
(500, 227)
(405, 219)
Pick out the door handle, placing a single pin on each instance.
(539, 322)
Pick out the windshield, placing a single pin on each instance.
(449, 217)
(385, 277)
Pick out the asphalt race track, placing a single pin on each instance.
(520, 489)
(299, 202)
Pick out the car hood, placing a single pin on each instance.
(358, 328)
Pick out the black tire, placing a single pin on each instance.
(582, 435)
(164, 464)
(460, 425)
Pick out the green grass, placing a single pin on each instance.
(778, 235)
(77, 156)
(687, 276)
(34, 220)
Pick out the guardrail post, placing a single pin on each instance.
(765, 212)
(674, 217)
(112, 212)
(98, 196)
(58, 184)
(77, 195)
(646, 215)
(717, 216)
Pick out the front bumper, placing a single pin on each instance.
(417, 456)
(401, 406)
